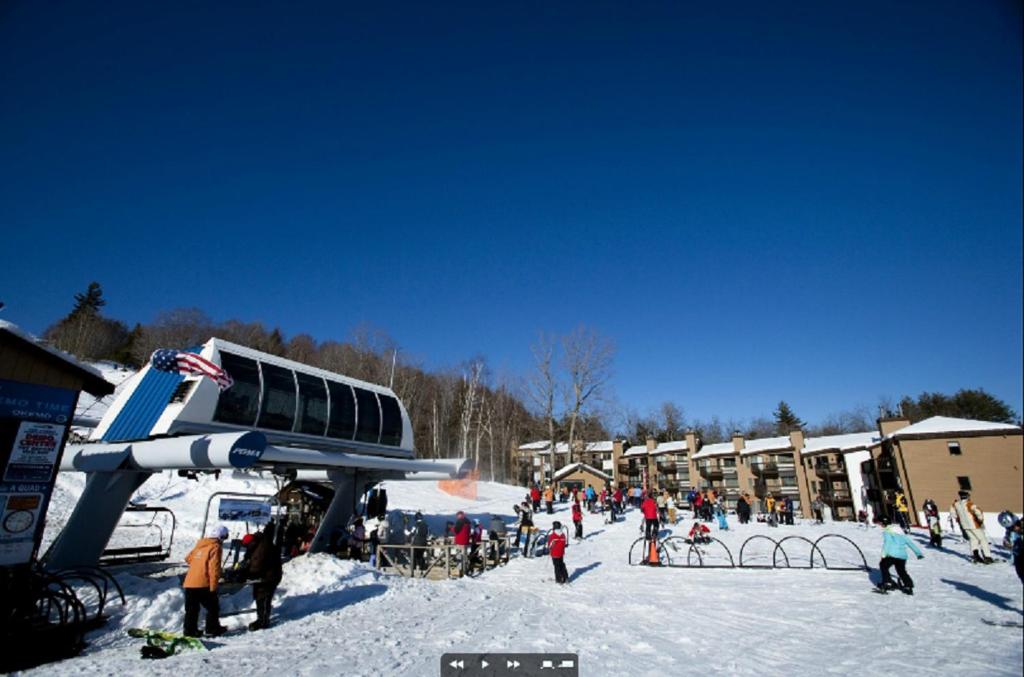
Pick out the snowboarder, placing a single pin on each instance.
(723, 525)
(649, 508)
(894, 552)
(972, 521)
(931, 517)
(265, 573)
(201, 583)
(556, 546)
(577, 520)
(462, 535)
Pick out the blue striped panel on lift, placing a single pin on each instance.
(143, 408)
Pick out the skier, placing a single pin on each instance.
(691, 499)
(525, 524)
(931, 517)
(902, 511)
(1018, 550)
(789, 510)
(556, 546)
(577, 520)
(356, 540)
(865, 502)
(535, 497)
(591, 497)
(670, 505)
(650, 510)
(497, 533)
(894, 552)
(699, 533)
(743, 508)
(201, 583)
(723, 525)
(769, 507)
(617, 500)
(818, 507)
(972, 521)
(265, 573)
(662, 507)
(462, 531)
(420, 534)
(549, 499)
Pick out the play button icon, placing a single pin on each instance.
(483, 663)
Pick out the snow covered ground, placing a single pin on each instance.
(336, 617)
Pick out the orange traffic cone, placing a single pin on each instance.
(652, 556)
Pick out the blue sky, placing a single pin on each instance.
(759, 202)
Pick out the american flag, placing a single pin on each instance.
(170, 360)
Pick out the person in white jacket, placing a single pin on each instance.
(972, 521)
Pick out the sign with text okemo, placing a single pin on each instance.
(34, 422)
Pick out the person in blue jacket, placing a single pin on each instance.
(894, 553)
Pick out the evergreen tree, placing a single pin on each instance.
(785, 419)
(966, 403)
(91, 301)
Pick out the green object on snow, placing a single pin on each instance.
(161, 644)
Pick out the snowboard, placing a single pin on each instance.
(161, 644)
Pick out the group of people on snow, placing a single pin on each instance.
(260, 566)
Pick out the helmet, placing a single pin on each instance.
(220, 533)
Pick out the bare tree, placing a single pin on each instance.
(672, 421)
(542, 387)
(587, 359)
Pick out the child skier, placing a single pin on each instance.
(556, 546)
(894, 552)
(699, 533)
(577, 520)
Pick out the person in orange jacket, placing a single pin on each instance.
(201, 584)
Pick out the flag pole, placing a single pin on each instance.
(394, 359)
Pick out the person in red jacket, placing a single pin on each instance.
(649, 508)
(535, 497)
(577, 520)
(556, 546)
(462, 536)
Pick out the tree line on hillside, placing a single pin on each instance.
(468, 411)
(463, 411)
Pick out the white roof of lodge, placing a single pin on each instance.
(946, 425)
(666, 447)
(766, 444)
(636, 450)
(535, 446)
(846, 442)
(572, 467)
(720, 449)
